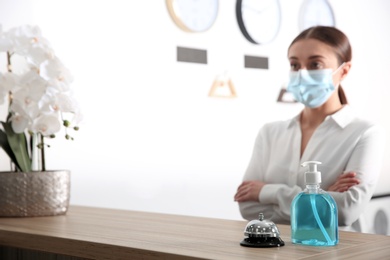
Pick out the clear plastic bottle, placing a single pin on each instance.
(314, 219)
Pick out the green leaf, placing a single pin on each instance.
(18, 144)
(5, 145)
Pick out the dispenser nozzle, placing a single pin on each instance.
(312, 165)
(312, 176)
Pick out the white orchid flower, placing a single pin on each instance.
(28, 42)
(38, 54)
(54, 71)
(3, 94)
(20, 119)
(30, 93)
(46, 125)
(26, 37)
(56, 85)
(8, 81)
(60, 103)
(66, 103)
(19, 123)
(77, 117)
(26, 100)
(5, 42)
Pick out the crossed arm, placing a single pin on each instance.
(250, 190)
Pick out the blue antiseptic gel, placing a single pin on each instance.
(314, 218)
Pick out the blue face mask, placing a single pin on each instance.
(312, 87)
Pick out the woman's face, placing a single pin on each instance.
(311, 54)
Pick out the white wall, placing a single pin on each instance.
(151, 138)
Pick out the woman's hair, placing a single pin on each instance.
(335, 39)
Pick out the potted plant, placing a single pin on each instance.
(35, 86)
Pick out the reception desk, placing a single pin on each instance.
(96, 233)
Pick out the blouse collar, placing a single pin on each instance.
(342, 117)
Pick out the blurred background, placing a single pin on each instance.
(152, 138)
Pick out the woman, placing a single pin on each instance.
(350, 149)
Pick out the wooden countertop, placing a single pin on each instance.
(98, 233)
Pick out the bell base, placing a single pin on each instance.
(262, 242)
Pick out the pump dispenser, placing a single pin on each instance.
(314, 218)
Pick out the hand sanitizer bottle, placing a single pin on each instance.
(314, 218)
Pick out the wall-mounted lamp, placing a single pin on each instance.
(223, 87)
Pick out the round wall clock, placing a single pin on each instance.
(316, 12)
(193, 15)
(259, 20)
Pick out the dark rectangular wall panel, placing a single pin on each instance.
(255, 62)
(191, 55)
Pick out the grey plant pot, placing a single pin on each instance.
(34, 194)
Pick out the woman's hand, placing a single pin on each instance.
(344, 182)
(249, 191)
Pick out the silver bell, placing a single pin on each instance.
(261, 233)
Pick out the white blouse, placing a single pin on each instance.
(343, 143)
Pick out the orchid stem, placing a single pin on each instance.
(43, 154)
(9, 69)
